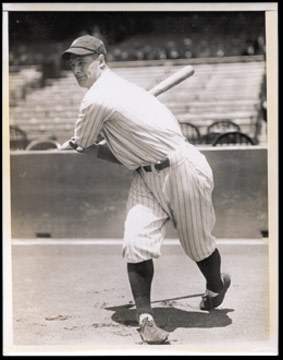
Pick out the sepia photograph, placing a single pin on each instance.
(140, 179)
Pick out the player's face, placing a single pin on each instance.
(86, 69)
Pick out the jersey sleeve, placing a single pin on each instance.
(89, 124)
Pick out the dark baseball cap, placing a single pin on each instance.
(85, 45)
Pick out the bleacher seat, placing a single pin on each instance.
(43, 144)
(22, 81)
(219, 127)
(233, 138)
(18, 138)
(191, 132)
(215, 92)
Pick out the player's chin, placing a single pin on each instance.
(83, 83)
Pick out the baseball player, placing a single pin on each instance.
(172, 180)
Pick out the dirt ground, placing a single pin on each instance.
(75, 299)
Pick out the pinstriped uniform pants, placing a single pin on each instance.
(181, 193)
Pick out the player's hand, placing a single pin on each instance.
(80, 149)
(65, 146)
(76, 147)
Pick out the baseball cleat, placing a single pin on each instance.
(208, 302)
(151, 333)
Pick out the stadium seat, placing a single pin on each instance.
(18, 138)
(43, 144)
(208, 138)
(191, 132)
(233, 138)
(217, 128)
(223, 126)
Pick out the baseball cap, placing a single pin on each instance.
(85, 45)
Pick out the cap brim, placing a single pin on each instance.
(75, 51)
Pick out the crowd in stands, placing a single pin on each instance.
(144, 48)
(185, 48)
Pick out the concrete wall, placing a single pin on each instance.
(69, 195)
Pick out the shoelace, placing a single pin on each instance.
(205, 295)
(147, 322)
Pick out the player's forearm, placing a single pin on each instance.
(66, 146)
(100, 150)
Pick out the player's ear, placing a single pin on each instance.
(101, 61)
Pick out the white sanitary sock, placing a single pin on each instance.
(143, 316)
(211, 293)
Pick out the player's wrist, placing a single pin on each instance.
(75, 146)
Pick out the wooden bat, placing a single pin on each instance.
(168, 83)
(172, 80)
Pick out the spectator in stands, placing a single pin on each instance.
(96, 32)
(249, 48)
(186, 50)
(263, 102)
(51, 64)
(260, 45)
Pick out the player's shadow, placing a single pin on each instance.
(170, 318)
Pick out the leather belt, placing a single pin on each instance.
(159, 166)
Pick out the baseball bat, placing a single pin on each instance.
(173, 80)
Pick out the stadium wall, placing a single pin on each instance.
(69, 195)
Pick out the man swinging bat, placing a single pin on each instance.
(172, 180)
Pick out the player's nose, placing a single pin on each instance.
(76, 69)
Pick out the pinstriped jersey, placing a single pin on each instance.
(137, 127)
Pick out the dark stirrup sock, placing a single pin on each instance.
(211, 269)
(140, 277)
